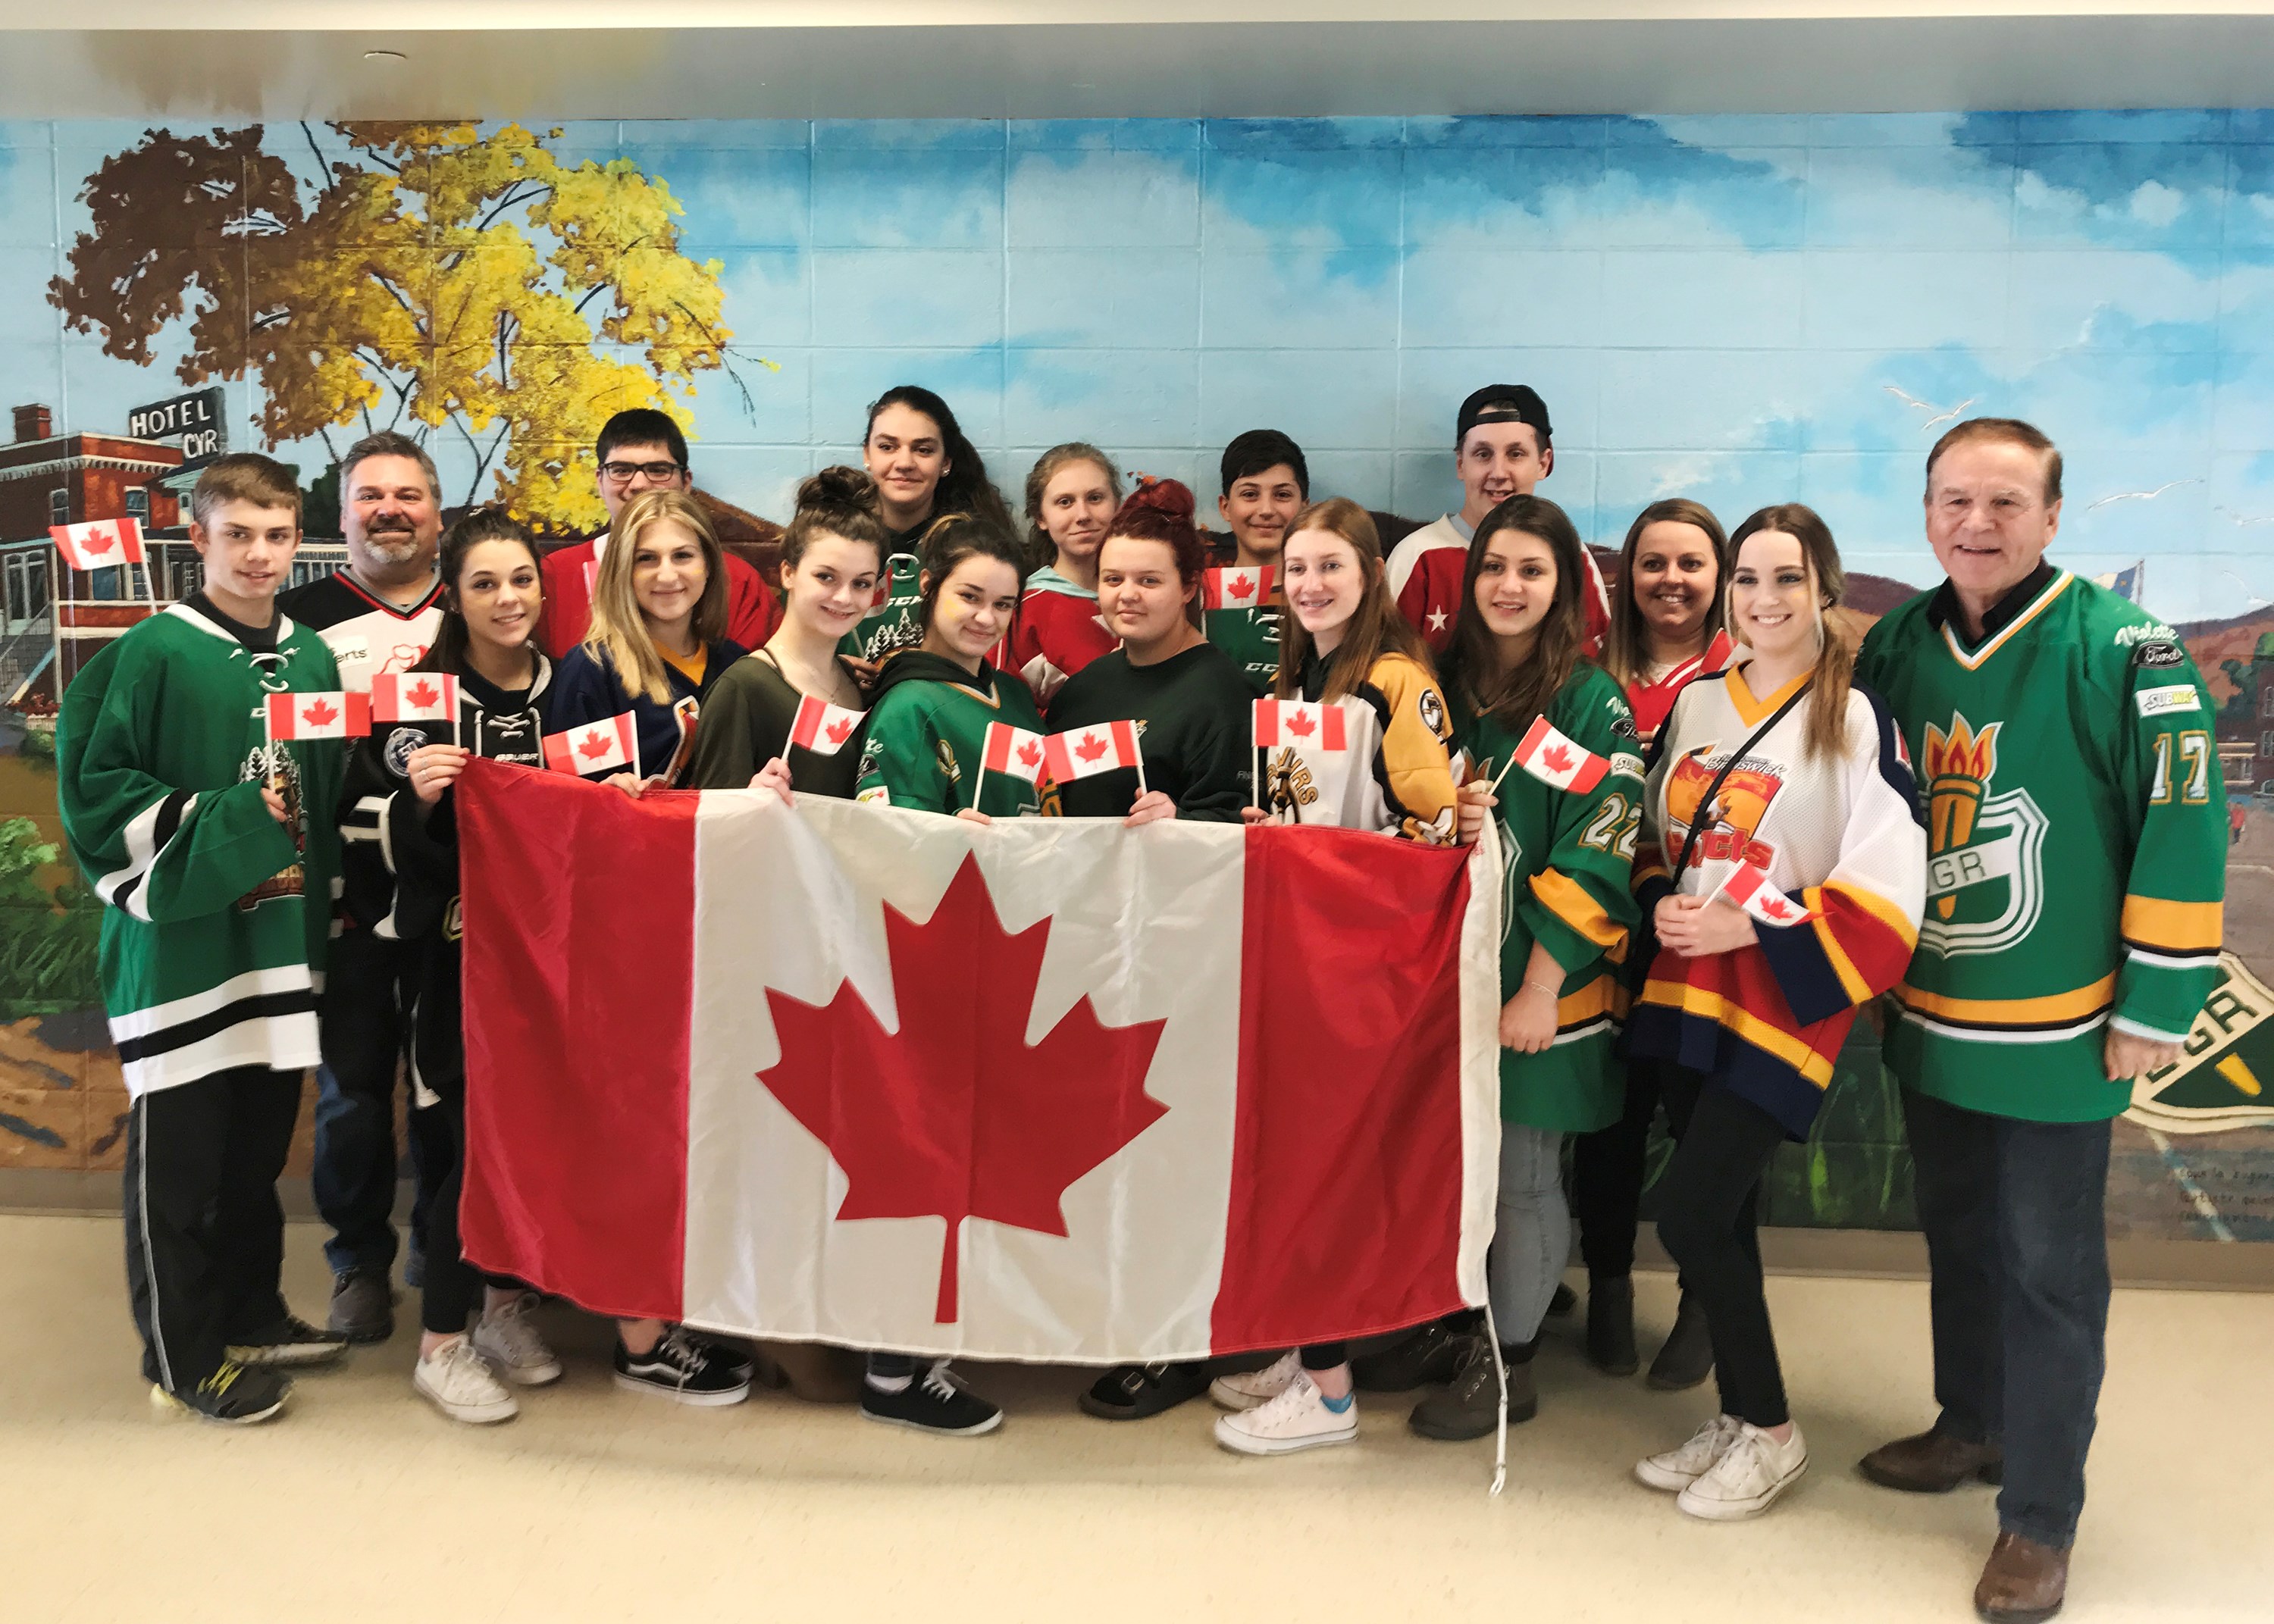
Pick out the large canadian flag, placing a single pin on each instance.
(873, 1077)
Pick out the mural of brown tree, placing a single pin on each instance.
(436, 279)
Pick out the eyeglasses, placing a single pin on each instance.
(624, 473)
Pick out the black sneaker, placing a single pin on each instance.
(234, 1395)
(737, 1358)
(934, 1401)
(1431, 1353)
(682, 1368)
(1132, 1392)
(363, 1306)
(1470, 1406)
(290, 1340)
(1686, 1358)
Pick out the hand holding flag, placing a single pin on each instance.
(1750, 889)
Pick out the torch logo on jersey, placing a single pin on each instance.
(1983, 850)
(1730, 823)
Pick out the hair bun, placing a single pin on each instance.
(839, 486)
(1166, 497)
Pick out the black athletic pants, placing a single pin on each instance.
(369, 984)
(452, 1287)
(1707, 1220)
(205, 1234)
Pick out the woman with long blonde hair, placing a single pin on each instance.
(1782, 867)
(658, 639)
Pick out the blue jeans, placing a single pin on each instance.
(2016, 1242)
(1532, 1237)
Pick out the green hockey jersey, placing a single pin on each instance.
(1566, 858)
(1251, 636)
(217, 915)
(926, 734)
(2077, 840)
(896, 621)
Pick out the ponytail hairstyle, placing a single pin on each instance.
(1626, 651)
(1512, 695)
(837, 501)
(963, 484)
(1048, 467)
(1375, 628)
(448, 652)
(956, 537)
(1835, 659)
(618, 631)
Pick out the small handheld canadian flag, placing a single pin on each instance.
(98, 543)
(1235, 589)
(1087, 750)
(823, 728)
(593, 747)
(414, 697)
(1547, 756)
(1750, 889)
(333, 715)
(1298, 722)
(1013, 750)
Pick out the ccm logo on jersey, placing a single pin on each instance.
(2164, 700)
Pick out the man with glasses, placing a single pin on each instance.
(641, 450)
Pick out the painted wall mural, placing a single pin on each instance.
(1738, 309)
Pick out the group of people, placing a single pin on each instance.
(1782, 831)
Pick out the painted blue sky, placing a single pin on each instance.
(1742, 309)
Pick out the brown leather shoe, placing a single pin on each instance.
(814, 1371)
(1932, 1463)
(2022, 1581)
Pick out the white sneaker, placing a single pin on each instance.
(1677, 1468)
(508, 1338)
(1298, 1418)
(1251, 1389)
(456, 1381)
(1752, 1472)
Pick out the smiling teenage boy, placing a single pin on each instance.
(1265, 483)
(641, 450)
(215, 851)
(1502, 447)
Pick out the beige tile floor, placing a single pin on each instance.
(363, 1505)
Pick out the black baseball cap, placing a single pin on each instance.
(1502, 403)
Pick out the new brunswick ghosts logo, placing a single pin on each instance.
(1986, 880)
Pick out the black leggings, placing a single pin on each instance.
(454, 1287)
(1707, 1221)
(1325, 1356)
(1607, 1175)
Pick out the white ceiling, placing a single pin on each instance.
(558, 60)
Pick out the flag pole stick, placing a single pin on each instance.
(456, 741)
(1502, 774)
(979, 782)
(1255, 748)
(1141, 775)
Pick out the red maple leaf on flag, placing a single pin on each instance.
(426, 694)
(838, 729)
(953, 1114)
(1091, 747)
(594, 744)
(98, 541)
(319, 715)
(1775, 907)
(1241, 586)
(1300, 726)
(1030, 754)
(1555, 758)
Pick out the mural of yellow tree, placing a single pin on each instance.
(435, 279)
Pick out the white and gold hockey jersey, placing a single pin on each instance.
(1386, 767)
(1838, 835)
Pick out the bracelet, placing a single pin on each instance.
(1545, 986)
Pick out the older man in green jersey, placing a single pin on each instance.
(2076, 828)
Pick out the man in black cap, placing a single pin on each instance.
(1502, 447)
